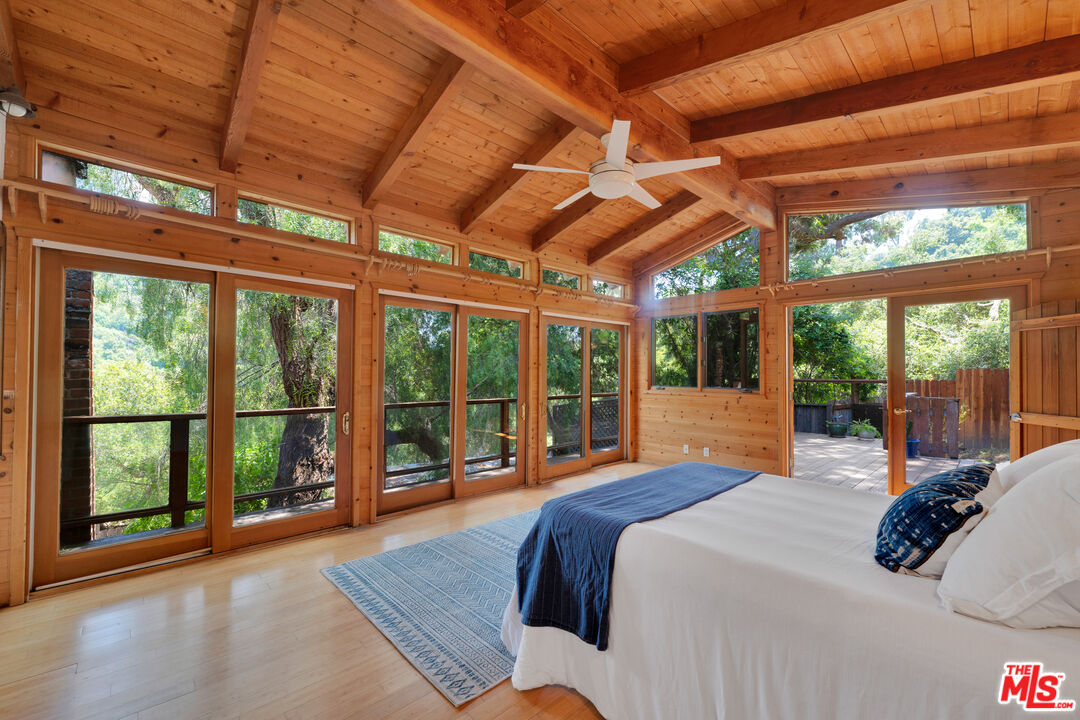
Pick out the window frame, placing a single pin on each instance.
(593, 280)
(705, 347)
(666, 267)
(700, 347)
(350, 223)
(989, 201)
(697, 350)
(580, 278)
(466, 259)
(128, 167)
(455, 248)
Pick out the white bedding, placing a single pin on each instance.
(766, 602)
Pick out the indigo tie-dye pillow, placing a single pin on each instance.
(926, 524)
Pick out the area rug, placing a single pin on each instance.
(441, 601)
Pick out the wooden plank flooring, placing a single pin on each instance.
(261, 634)
(254, 635)
(859, 464)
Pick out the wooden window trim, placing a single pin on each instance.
(701, 388)
(350, 222)
(884, 207)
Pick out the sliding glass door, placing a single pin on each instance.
(453, 383)
(290, 385)
(176, 397)
(584, 375)
(417, 410)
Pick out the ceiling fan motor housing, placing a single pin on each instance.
(610, 182)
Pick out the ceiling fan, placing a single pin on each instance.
(615, 176)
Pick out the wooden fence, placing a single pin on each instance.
(984, 405)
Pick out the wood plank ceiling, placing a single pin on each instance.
(363, 96)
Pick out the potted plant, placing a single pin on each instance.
(837, 428)
(864, 429)
(912, 442)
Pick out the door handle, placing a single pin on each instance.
(899, 411)
(345, 424)
(521, 412)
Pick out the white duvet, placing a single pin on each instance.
(766, 602)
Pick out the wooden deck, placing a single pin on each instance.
(859, 464)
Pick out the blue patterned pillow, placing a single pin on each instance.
(922, 519)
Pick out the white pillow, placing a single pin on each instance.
(1012, 473)
(1021, 565)
(934, 565)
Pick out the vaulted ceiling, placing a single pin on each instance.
(425, 104)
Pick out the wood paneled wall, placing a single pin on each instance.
(752, 429)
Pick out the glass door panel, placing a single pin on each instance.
(491, 396)
(417, 410)
(564, 393)
(135, 388)
(285, 433)
(605, 360)
(124, 361)
(950, 393)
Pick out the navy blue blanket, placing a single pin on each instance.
(564, 566)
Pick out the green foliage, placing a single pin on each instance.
(289, 220)
(838, 243)
(150, 356)
(131, 186)
(415, 247)
(861, 426)
(675, 341)
(731, 264)
(561, 279)
(497, 265)
(731, 349)
(601, 287)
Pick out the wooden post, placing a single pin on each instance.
(504, 432)
(179, 437)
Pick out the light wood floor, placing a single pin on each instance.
(858, 464)
(255, 635)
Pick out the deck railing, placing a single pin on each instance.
(179, 455)
(505, 456)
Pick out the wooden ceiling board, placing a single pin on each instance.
(205, 64)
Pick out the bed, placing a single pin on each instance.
(765, 602)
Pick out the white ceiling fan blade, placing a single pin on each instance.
(652, 169)
(642, 196)
(617, 143)
(545, 168)
(572, 199)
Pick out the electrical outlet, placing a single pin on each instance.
(706, 452)
(685, 449)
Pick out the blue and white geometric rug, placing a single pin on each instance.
(441, 602)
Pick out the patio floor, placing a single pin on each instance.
(859, 464)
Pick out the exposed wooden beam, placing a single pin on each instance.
(565, 221)
(551, 142)
(997, 184)
(11, 72)
(692, 243)
(512, 52)
(521, 8)
(649, 221)
(1006, 71)
(1028, 134)
(758, 35)
(262, 17)
(434, 103)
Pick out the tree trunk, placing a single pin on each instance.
(304, 459)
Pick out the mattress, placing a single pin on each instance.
(766, 602)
